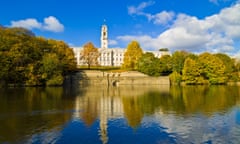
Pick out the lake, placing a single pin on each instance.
(153, 114)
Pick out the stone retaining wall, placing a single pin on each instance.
(124, 78)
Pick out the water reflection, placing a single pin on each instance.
(181, 110)
(125, 114)
(25, 112)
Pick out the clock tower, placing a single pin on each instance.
(104, 37)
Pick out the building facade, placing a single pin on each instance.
(110, 56)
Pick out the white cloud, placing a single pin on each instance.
(161, 18)
(138, 9)
(112, 42)
(28, 23)
(50, 24)
(216, 33)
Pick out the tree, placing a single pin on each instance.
(175, 78)
(65, 55)
(14, 53)
(237, 67)
(165, 65)
(178, 59)
(131, 56)
(30, 60)
(164, 49)
(149, 64)
(191, 73)
(212, 68)
(90, 54)
(52, 73)
(229, 64)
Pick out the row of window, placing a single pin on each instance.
(109, 64)
(107, 54)
(107, 59)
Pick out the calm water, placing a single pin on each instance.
(120, 115)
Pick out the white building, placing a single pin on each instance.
(110, 56)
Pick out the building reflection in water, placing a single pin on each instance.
(106, 103)
(187, 111)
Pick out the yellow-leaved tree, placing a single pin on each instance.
(90, 54)
(131, 56)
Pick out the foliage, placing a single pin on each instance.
(149, 64)
(131, 56)
(229, 64)
(164, 49)
(191, 73)
(153, 66)
(212, 68)
(237, 69)
(175, 78)
(30, 60)
(90, 54)
(178, 59)
(203, 69)
(189, 68)
(165, 65)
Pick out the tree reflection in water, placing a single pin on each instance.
(26, 113)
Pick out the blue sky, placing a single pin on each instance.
(191, 25)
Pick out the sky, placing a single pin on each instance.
(191, 25)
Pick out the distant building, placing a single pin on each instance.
(110, 56)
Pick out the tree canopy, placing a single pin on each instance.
(90, 54)
(178, 59)
(131, 56)
(30, 60)
(153, 66)
(208, 68)
(149, 64)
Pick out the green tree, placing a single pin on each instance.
(191, 73)
(24, 56)
(237, 65)
(14, 53)
(229, 64)
(149, 64)
(237, 68)
(52, 73)
(212, 68)
(164, 49)
(90, 54)
(131, 56)
(178, 59)
(65, 55)
(165, 65)
(175, 78)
